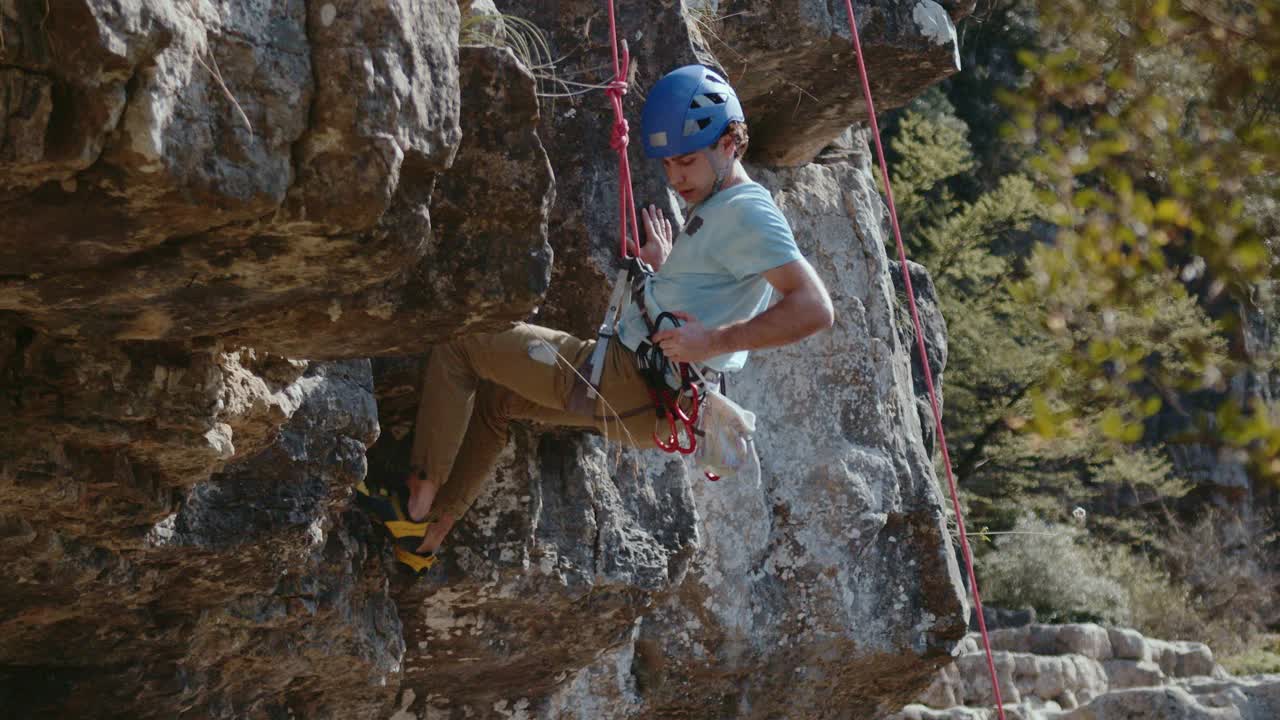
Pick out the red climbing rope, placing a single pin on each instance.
(620, 139)
(924, 358)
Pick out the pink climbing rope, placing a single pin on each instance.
(924, 358)
(619, 140)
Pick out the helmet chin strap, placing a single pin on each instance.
(721, 172)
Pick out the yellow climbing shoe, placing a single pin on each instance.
(387, 506)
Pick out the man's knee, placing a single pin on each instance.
(448, 355)
(493, 405)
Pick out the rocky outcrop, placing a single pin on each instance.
(934, 327)
(174, 517)
(793, 64)
(243, 596)
(217, 214)
(1088, 672)
(262, 174)
(481, 257)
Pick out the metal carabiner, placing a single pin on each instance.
(670, 407)
(694, 401)
(668, 400)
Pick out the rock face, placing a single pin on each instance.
(482, 256)
(934, 326)
(1088, 672)
(698, 593)
(260, 173)
(217, 213)
(793, 65)
(246, 595)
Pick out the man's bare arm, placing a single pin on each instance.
(805, 308)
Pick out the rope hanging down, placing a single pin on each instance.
(620, 139)
(924, 357)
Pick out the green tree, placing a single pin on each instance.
(1153, 130)
(1144, 169)
(1002, 358)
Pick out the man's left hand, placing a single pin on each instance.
(692, 342)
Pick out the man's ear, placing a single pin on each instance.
(729, 143)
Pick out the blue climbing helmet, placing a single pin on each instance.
(687, 110)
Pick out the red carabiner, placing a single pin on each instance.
(676, 418)
(670, 444)
(692, 417)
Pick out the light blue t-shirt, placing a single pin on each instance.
(714, 271)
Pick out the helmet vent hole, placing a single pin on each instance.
(693, 127)
(701, 101)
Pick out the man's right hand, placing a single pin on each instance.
(657, 230)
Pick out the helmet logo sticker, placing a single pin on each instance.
(658, 139)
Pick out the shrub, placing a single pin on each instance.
(1213, 581)
(1049, 567)
(1263, 658)
(1229, 568)
(1158, 606)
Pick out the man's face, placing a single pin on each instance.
(692, 176)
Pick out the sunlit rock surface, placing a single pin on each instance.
(216, 213)
(1088, 672)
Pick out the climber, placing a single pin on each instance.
(717, 276)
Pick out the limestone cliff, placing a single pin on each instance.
(232, 230)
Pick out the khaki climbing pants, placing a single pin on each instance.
(474, 387)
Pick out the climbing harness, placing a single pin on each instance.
(924, 357)
(608, 327)
(674, 388)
